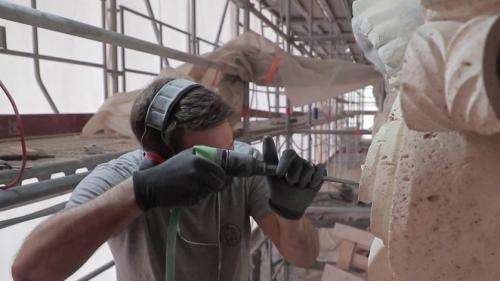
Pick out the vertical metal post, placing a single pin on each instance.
(162, 62)
(302, 109)
(309, 139)
(363, 107)
(321, 138)
(261, 22)
(192, 46)
(3, 38)
(113, 48)
(104, 53)
(358, 122)
(277, 89)
(288, 140)
(124, 65)
(246, 16)
(330, 43)
(310, 25)
(345, 156)
(36, 63)
(309, 107)
(335, 125)
(329, 136)
(221, 24)
(157, 30)
(234, 19)
(277, 109)
(246, 91)
(288, 50)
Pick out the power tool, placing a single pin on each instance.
(235, 163)
(239, 164)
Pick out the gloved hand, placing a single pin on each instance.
(182, 180)
(296, 182)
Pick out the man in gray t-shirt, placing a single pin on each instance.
(128, 201)
(143, 242)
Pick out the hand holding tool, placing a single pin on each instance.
(296, 181)
(182, 180)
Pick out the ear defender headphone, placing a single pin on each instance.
(157, 117)
(161, 107)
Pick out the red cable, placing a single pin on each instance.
(21, 135)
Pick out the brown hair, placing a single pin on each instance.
(197, 110)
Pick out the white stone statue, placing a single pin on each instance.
(433, 170)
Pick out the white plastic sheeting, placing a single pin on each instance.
(260, 61)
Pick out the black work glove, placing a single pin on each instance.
(296, 182)
(182, 180)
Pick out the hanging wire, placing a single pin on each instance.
(21, 136)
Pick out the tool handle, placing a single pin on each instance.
(207, 152)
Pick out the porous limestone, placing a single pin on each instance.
(433, 176)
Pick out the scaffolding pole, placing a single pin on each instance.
(113, 48)
(157, 30)
(246, 89)
(25, 15)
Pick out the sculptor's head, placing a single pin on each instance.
(200, 118)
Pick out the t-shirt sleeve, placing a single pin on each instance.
(256, 187)
(104, 177)
(258, 198)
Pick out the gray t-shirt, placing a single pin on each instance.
(220, 219)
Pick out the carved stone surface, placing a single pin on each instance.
(383, 33)
(472, 76)
(377, 181)
(449, 78)
(434, 192)
(379, 267)
(423, 99)
(384, 182)
(444, 223)
(461, 10)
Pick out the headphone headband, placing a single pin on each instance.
(164, 101)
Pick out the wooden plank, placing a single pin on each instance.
(346, 251)
(333, 273)
(43, 124)
(363, 238)
(327, 241)
(71, 152)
